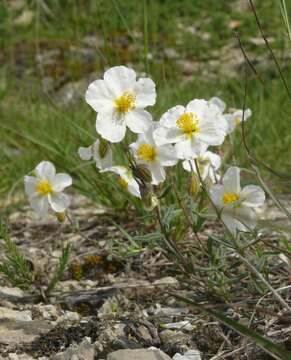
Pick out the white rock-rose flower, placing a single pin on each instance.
(237, 204)
(192, 129)
(155, 157)
(235, 118)
(208, 164)
(46, 189)
(119, 100)
(101, 155)
(125, 179)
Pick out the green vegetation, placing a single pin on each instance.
(34, 126)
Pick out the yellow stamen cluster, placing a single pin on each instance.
(125, 103)
(230, 197)
(122, 182)
(44, 188)
(146, 152)
(237, 121)
(188, 123)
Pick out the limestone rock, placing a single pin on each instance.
(140, 354)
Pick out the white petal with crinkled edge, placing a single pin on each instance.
(120, 79)
(231, 223)
(164, 135)
(167, 155)
(145, 91)
(253, 196)
(45, 170)
(220, 104)
(170, 117)
(30, 183)
(231, 180)
(139, 121)
(40, 205)
(133, 188)
(59, 201)
(235, 118)
(110, 126)
(158, 173)
(99, 96)
(61, 181)
(85, 153)
(210, 134)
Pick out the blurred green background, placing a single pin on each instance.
(51, 50)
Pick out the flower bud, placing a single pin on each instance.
(103, 148)
(142, 173)
(194, 185)
(61, 216)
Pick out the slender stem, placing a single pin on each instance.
(269, 286)
(145, 35)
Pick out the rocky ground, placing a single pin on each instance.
(108, 307)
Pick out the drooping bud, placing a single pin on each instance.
(194, 185)
(61, 216)
(103, 148)
(142, 173)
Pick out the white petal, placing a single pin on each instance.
(40, 205)
(98, 96)
(120, 79)
(167, 155)
(231, 223)
(30, 183)
(211, 134)
(45, 170)
(133, 188)
(216, 193)
(218, 103)
(110, 126)
(106, 162)
(253, 196)
(59, 201)
(247, 218)
(214, 158)
(145, 90)
(61, 181)
(164, 135)
(85, 153)
(231, 180)
(139, 121)
(158, 173)
(198, 107)
(169, 118)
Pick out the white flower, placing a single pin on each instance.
(237, 204)
(208, 164)
(119, 100)
(94, 151)
(235, 118)
(155, 157)
(46, 188)
(192, 129)
(125, 179)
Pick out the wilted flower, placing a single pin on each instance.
(235, 118)
(155, 157)
(237, 204)
(119, 100)
(46, 188)
(125, 179)
(100, 151)
(192, 129)
(208, 164)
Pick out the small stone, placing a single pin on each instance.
(83, 351)
(189, 355)
(9, 314)
(140, 354)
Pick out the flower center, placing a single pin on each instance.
(123, 183)
(124, 103)
(188, 123)
(44, 188)
(230, 197)
(146, 152)
(237, 121)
